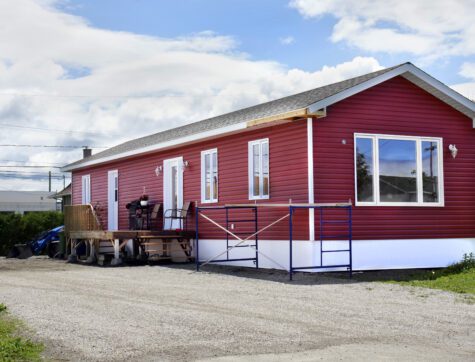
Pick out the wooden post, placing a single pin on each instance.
(116, 260)
(92, 251)
(73, 256)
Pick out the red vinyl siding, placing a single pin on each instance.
(397, 107)
(288, 178)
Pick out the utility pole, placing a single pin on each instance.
(64, 181)
(49, 181)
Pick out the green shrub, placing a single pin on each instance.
(3, 307)
(18, 229)
(467, 263)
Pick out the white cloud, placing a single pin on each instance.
(287, 40)
(428, 29)
(120, 85)
(467, 70)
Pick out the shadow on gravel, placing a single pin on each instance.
(302, 278)
(272, 275)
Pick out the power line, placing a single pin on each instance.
(30, 172)
(45, 129)
(29, 166)
(50, 146)
(95, 96)
(49, 164)
(33, 177)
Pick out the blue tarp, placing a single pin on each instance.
(45, 238)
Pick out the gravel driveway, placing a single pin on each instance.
(172, 313)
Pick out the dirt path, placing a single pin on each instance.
(172, 313)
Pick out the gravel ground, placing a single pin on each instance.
(150, 313)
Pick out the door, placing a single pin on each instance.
(172, 191)
(113, 200)
(86, 190)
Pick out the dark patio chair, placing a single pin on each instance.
(179, 214)
(155, 217)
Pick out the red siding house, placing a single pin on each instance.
(398, 143)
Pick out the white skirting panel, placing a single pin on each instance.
(367, 254)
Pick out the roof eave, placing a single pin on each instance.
(198, 137)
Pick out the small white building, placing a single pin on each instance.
(26, 201)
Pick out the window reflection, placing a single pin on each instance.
(207, 177)
(256, 169)
(364, 169)
(215, 176)
(430, 171)
(265, 168)
(397, 170)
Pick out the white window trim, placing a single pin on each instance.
(250, 170)
(214, 198)
(418, 140)
(86, 192)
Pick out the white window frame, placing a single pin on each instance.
(213, 198)
(376, 195)
(86, 189)
(251, 170)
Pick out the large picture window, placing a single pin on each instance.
(259, 169)
(209, 176)
(398, 170)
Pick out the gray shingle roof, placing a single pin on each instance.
(278, 106)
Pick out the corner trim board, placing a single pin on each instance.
(311, 191)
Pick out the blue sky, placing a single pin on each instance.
(98, 73)
(258, 27)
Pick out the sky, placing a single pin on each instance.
(98, 73)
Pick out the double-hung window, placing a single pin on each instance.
(398, 170)
(86, 189)
(209, 176)
(258, 161)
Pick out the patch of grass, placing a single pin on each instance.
(12, 346)
(462, 282)
(458, 278)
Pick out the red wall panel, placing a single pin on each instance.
(397, 107)
(288, 178)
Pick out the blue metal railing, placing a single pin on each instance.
(249, 220)
(324, 237)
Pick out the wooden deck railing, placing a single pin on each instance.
(80, 218)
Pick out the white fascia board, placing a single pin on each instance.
(410, 68)
(358, 88)
(441, 87)
(160, 146)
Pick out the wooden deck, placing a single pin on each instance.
(84, 226)
(152, 245)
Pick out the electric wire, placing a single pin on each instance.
(46, 129)
(51, 146)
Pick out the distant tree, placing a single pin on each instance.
(19, 229)
(364, 177)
